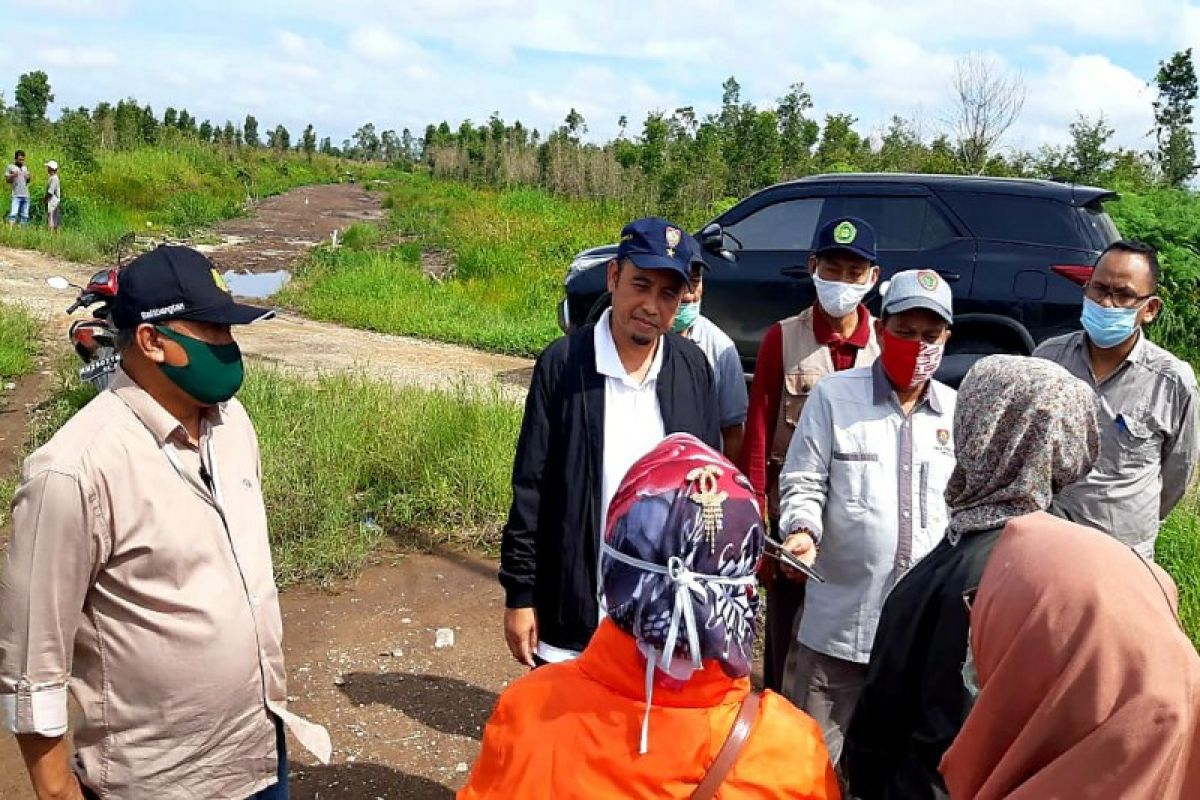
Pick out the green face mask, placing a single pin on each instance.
(213, 373)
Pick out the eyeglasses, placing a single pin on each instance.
(1121, 298)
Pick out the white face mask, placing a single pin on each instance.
(840, 299)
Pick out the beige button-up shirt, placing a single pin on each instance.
(152, 597)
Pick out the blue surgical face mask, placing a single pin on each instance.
(686, 316)
(1109, 327)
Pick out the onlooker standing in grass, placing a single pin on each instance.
(139, 571)
(599, 400)
(17, 176)
(1149, 403)
(722, 354)
(53, 196)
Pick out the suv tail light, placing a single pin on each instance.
(1078, 274)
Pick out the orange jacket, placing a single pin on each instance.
(572, 730)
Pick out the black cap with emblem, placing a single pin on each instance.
(174, 282)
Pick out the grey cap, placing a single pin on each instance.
(919, 288)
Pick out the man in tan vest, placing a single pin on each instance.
(834, 334)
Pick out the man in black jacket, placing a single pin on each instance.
(600, 399)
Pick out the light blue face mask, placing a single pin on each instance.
(686, 316)
(969, 676)
(1108, 327)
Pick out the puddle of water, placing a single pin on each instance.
(256, 284)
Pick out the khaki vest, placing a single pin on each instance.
(805, 361)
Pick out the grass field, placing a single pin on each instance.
(1179, 554)
(18, 340)
(348, 461)
(510, 250)
(157, 191)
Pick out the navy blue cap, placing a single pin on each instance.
(697, 252)
(654, 243)
(851, 234)
(173, 282)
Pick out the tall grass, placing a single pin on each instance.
(348, 462)
(18, 340)
(510, 251)
(161, 190)
(1178, 551)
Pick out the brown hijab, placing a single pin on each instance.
(1088, 686)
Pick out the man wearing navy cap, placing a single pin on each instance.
(862, 493)
(600, 399)
(836, 333)
(139, 574)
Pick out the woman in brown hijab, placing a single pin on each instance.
(1087, 685)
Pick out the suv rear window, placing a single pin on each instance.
(1012, 218)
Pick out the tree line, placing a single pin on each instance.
(680, 162)
(126, 125)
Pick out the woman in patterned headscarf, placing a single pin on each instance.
(646, 708)
(1024, 429)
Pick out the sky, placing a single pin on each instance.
(339, 63)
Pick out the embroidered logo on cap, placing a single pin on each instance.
(674, 236)
(845, 232)
(928, 279)
(220, 281)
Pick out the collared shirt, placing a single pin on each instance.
(722, 355)
(633, 425)
(1149, 436)
(151, 596)
(842, 349)
(869, 481)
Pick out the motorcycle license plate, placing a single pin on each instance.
(96, 368)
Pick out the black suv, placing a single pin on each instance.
(1015, 252)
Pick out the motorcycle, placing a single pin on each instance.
(95, 339)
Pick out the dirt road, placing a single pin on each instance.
(405, 715)
(291, 224)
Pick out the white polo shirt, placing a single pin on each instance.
(633, 425)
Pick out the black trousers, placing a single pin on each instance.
(785, 602)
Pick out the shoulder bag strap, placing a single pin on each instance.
(723, 764)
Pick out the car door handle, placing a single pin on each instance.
(950, 277)
(796, 271)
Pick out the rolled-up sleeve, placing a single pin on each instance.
(804, 481)
(52, 560)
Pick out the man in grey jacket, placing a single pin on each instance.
(1149, 403)
(862, 494)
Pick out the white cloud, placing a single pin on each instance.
(381, 45)
(290, 42)
(75, 57)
